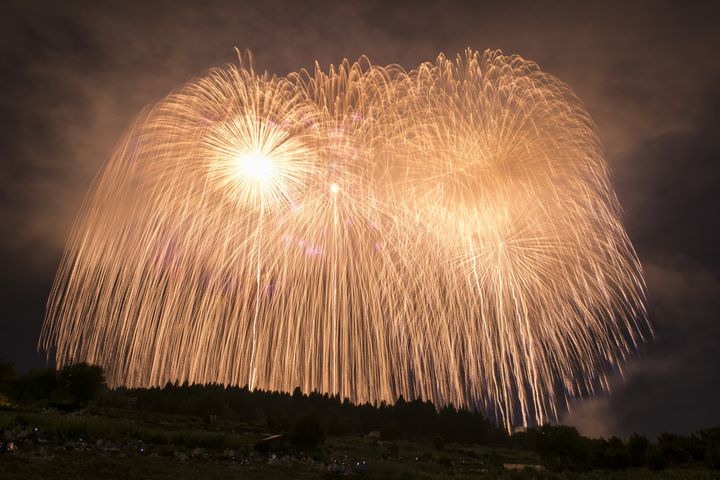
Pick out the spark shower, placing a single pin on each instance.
(448, 233)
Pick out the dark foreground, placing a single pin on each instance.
(92, 465)
(67, 424)
(117, 444)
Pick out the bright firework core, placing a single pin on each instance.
(475, 257)
(255, 165)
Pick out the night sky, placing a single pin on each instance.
(75, 74)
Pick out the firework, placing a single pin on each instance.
(448, 233)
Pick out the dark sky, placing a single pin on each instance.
(74, 74)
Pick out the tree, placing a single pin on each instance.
(7, 376)
(711, 438)
(35, 386)
(7, 382)
(83, 382)
(610, 454)
(673, 449)
(389, 430)
(637, 446)
(562, 447)
(655, 458)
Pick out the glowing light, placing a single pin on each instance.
(475, 255)
(256, 166)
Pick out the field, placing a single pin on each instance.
(108, 443)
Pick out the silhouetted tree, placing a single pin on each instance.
(35, 386)
(561, 447)
(671, 448)
(609, 454)
(637, 446)
(83, 382)
(389, 429)
(711, 439)
(655, 460)
(7, 376)
(337, 425)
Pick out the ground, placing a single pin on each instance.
(117, 444)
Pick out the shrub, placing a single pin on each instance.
(307, 430)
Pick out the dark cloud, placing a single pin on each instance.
(74, 74)
(669, 187)
(674, 385)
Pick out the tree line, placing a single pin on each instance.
(307, 419)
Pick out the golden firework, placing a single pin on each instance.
(447, 233)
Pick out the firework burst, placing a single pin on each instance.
(448, 233)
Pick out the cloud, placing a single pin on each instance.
(668, 186)
(592, 417)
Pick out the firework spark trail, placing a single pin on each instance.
(447, 233)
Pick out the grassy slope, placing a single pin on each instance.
(169, 443)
